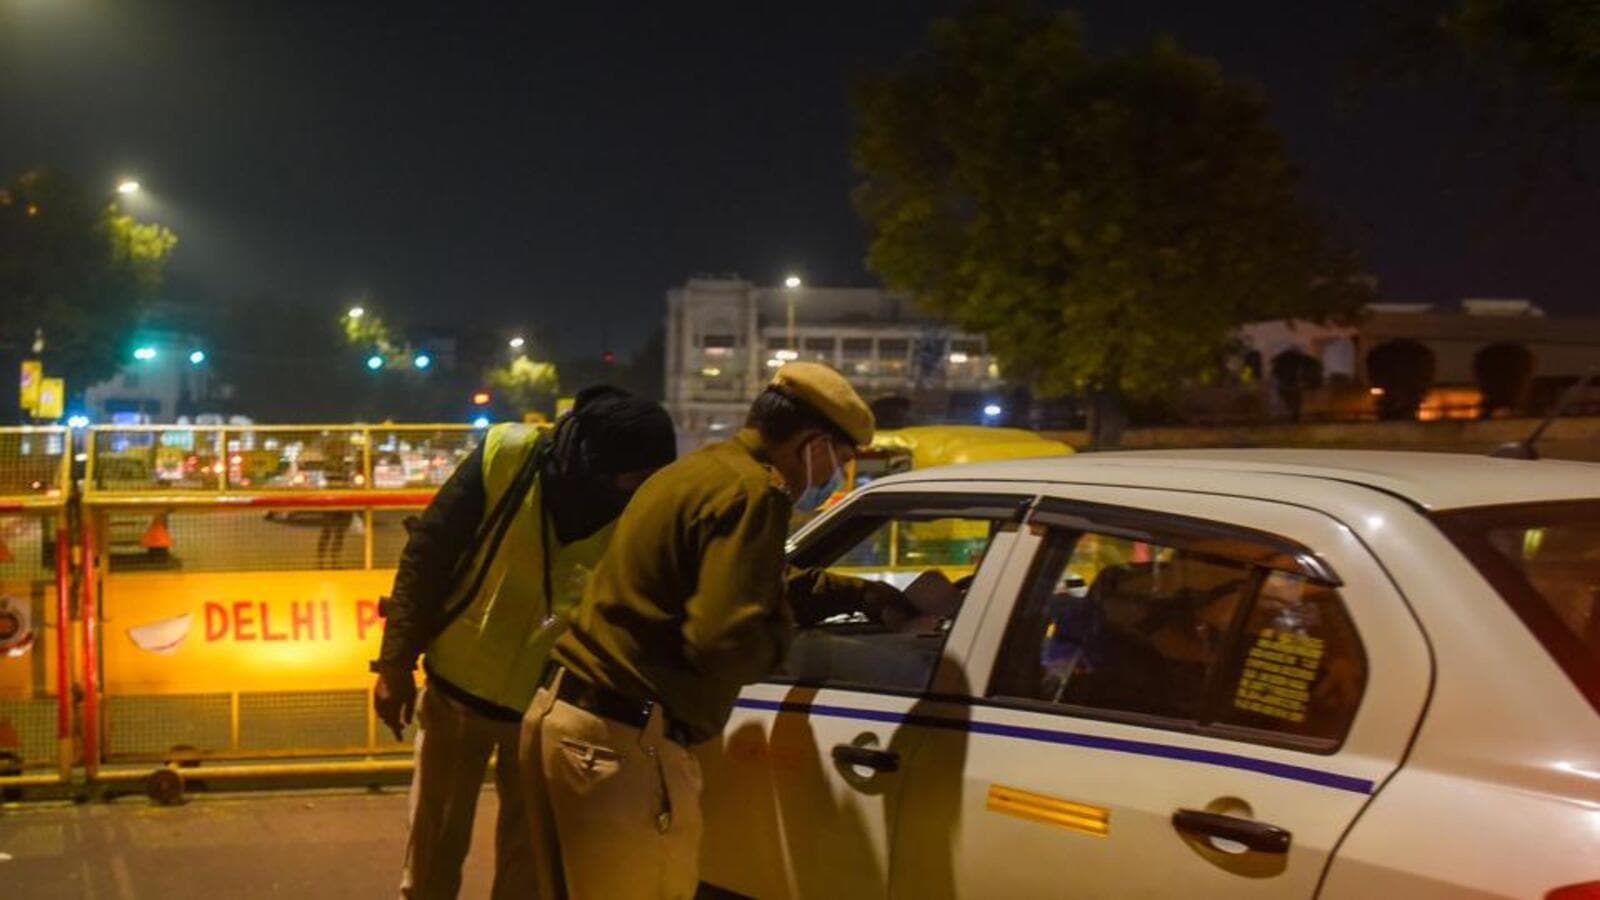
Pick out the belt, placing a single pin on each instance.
(613, 705)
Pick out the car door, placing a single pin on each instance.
(803, 789)
(1189, 695)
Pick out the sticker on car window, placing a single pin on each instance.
(1278, 673)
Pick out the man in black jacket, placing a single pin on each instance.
(503, 550)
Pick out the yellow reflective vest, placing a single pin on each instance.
(497, 648)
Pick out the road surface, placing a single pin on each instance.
(308, 844)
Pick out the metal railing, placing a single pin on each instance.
(221, 586)
(36, 714)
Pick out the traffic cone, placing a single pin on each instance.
(156, 537)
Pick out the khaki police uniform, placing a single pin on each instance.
(692, 602)
(483, 670)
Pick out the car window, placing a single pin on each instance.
(1544, 561)
(1297, 668)
(1121, 625)
(932, 557)
(1116, 627)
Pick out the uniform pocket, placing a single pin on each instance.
(589, 762)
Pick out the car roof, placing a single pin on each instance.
(1434, 481)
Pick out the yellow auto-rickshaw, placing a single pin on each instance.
(949, 544)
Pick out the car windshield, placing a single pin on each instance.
(1544, 558)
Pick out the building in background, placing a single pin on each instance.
(1459, 346)
(725, 335)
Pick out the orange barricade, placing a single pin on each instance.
(237, 573)
(36, 713)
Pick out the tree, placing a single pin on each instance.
(1535, 63)
(1294, 373)
(288, 362)
(1402, 370)
(78, 270)
(1504, 372)
(1107, 222)
(1552, 46)
(524, 385)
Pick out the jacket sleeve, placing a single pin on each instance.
(437, 542)
(817, 594)
(736, 624)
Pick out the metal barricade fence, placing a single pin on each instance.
(36, 661)
(236, 578)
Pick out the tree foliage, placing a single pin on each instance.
(77, 269)
(287, 361)
(1550, 45)
(524, 385)
(370, 333)
(1107, 222)
(1534, 63)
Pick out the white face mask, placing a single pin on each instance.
(815, 495)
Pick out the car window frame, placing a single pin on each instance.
(823, 537)
(1271, 552)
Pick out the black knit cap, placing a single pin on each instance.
(618, 432)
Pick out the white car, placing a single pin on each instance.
(1191, 674)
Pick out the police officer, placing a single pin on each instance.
(507, 543)
(692, 602)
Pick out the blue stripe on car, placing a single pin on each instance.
(1074, 739)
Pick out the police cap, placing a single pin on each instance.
(827, 392)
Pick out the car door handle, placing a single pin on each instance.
(881, 760)
(1258, 836)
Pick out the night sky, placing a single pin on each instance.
(559, 166)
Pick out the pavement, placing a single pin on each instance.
(344, 843)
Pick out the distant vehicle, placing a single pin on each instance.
(1192, 674)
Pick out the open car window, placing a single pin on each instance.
(927, 548)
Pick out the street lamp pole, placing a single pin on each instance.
(791, 286)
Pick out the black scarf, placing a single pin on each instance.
(608, 432)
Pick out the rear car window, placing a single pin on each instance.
(1544, 559)
(1178, 637)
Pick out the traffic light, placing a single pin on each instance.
(608, 357)
(481, 398)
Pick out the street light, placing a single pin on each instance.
(517, 343)
(145, 354)
(356, 312)
(791, 285)
(128, 186)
